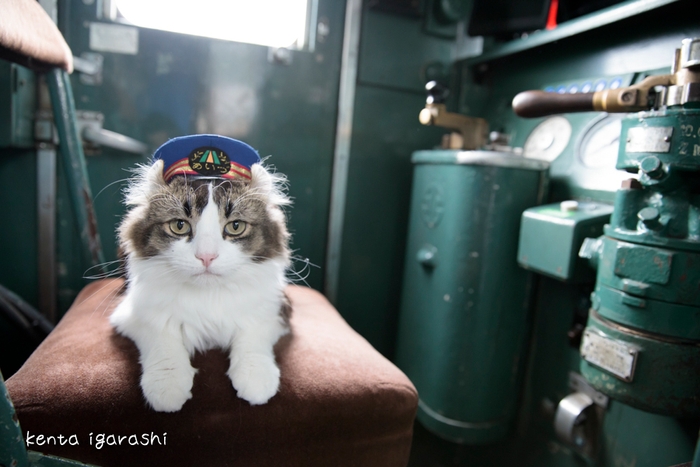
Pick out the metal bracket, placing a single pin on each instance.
(579, 416)
(90, 129)
(89, 65)
(279, 55)
(579, 384)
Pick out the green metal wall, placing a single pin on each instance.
(396, 59)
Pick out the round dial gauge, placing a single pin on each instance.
(600, 143)
(548, 139)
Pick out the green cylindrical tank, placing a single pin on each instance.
(464, 317)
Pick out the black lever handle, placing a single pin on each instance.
(531, 104)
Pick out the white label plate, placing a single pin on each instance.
(114, 38)
(649, 139)
(611, 355)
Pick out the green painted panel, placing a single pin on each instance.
(17, 102)
(385, 133)
(396, 52)
(394, 55)
(633, 437)
(18, 237)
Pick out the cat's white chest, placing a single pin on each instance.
(211, 316)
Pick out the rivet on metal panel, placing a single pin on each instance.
(427, 256)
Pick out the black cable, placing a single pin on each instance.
(24, 315)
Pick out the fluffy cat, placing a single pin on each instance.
(206, 263)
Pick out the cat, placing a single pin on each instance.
(206, 261)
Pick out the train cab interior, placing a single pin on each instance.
(495, 228)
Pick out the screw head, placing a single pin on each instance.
(652, 166)
(649, 217)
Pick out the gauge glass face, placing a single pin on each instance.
(597, 151)
(600, 144)
(548, 140)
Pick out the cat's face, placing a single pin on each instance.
(205, 228)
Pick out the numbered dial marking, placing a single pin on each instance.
(548, 140)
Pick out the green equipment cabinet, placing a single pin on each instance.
(464, 323)
(642, 343)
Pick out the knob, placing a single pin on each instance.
(652, 166)
(437, 93)
(690, 53)
(650, 217)
(427, 256)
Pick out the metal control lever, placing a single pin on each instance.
(678, 88)
(531, 104)
(473, 131)
(102, 137)
(91, 131)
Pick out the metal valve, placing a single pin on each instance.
(472, 131)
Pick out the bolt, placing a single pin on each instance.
(667, 139)
(652, 166)
(650, 218)
(626, 97)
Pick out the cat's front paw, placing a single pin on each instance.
(167, 387)
(256, 378)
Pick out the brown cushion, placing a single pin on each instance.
(29, 37)
(340, 401)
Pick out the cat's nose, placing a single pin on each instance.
(206, 258)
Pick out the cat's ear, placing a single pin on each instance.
(269, 185)
(148, 180)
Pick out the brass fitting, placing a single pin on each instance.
(474, 131)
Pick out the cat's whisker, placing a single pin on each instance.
(103, 270)
(109, 300)
(110, 297)
(109, 185)
(304, 272)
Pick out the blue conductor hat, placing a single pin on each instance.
(206, 156)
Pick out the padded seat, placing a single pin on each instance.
(340, 402)
(29, 37)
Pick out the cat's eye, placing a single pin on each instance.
(179, 227)
(235, 228)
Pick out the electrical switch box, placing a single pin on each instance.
(551, 236)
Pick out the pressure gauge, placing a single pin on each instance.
(597, 152)
(548, 139)
(600, 143)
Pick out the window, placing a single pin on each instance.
(274, 23)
